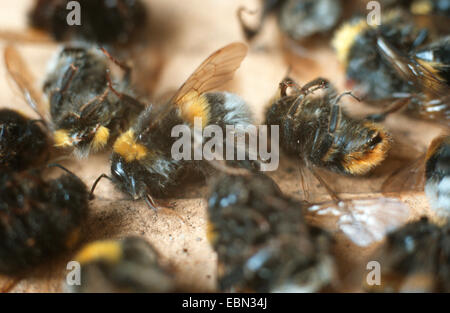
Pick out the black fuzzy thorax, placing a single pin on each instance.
(37, 217)
(158, 174)
(101, 20)
(251, 219)
(22, 141)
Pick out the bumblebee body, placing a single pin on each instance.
(437, 175)
(261, 239)
(142, 164)
(23, 143)
(86, 111)
(355, 43)
(315, 128)
(38, 218)
(299, 19)
(397, 60)
(126, 265)
(102, 21)
(416, 258)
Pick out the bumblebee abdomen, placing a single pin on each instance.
(22, 142)
(37, 218)
(227, 109)
(437, 174)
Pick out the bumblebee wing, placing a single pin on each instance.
(364, 221)
(216, 70)
(408, 178)
(22, 76)
(423, 75)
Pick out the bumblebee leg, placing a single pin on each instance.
(122, 65)
(335, 118)
(396, 106)
(91, 194)
(318, 83)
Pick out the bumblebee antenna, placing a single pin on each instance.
(91, 194)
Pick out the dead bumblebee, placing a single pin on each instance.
(101, 21)
(23, 143)
(319, 131)
(262, 241)
(142, 164)
(421, 7)
(38, 218)
(391, 62)
(86, 110)
(415, 258)
(299, 19)
(126, 265)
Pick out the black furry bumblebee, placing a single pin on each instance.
(316, 129)
(101, 21)
(397, 62)
(127, 265)
(86, 110)
(141, 163)
(23, 143)
(38, 218)
(262, 241)
(415, 258)
(299, 19)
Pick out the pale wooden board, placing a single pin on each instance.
(184, 33)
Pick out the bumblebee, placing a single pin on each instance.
(23, 143)
(102, 21)
(393, 62)
(316, 128)
(415, 258)
(262, 241)
(38, 218)
(126, 265)
(421, 7)
(86, 110)
(299, 19)
(141, 163)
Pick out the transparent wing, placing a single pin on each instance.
(23, 78)
(421, 74)
(364, 221)
(216, 70)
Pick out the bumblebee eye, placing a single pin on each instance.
(374, 141)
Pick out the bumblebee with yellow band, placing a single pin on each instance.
(397, 60)
(141, 163)
(88, 106)
(126, 265)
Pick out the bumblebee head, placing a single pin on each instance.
(74, 133)
(125, 176)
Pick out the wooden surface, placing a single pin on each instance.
(181, 35)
